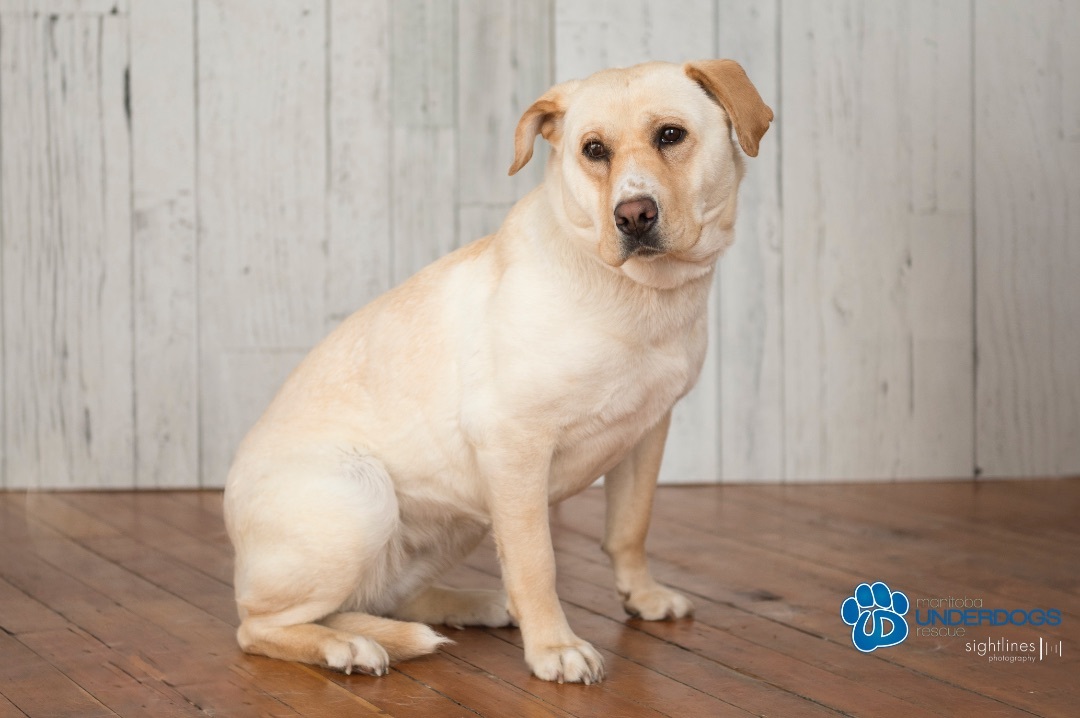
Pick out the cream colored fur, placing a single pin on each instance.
(503, 378)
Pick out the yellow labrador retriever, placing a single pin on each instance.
(501, 379)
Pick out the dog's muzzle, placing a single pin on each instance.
(637, 220)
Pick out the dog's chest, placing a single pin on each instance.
(591, 372)
(614, 399)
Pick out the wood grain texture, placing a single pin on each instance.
(176, 234)
(121, 604)
(38, 688)
(14, 8)
(164, 243)
(66, 252)
(360, 239)
(504, 64)
(877, 240)
(424, 142)
(609, 33)
(750, 278)
(1026, 211)
(262, 176)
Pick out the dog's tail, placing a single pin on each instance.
(401, 639)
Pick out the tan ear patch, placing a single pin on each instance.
(538, 119)
(726, 81)
(544, 117)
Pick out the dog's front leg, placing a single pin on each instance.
(629, 488)
(518, 503)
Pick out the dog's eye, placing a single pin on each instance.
(594, 150)
(671, 135)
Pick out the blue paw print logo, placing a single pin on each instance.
(876, 616)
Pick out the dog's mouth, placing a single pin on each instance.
(647, 252)
(616, 253)
(647, 246)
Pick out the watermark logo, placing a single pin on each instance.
(876, 616)
(1003, 650)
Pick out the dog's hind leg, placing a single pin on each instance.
(344, 641)
(309, 541)
(401, 639)
(315, 644)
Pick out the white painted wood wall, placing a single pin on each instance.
(193, 192)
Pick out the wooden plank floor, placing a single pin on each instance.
(120, 604)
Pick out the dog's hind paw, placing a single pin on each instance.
(458, 607)
(359, 654)
(657, 603)
(483, 608)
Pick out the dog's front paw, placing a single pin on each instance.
(578, 662)
(657, 603)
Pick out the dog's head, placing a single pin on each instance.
(643, 168)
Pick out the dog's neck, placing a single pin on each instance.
(675, 291)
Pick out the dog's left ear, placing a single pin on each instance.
(544, 117)
(727, 83)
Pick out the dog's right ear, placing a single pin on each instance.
(544, 117)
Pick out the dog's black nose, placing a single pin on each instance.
(636, 217)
